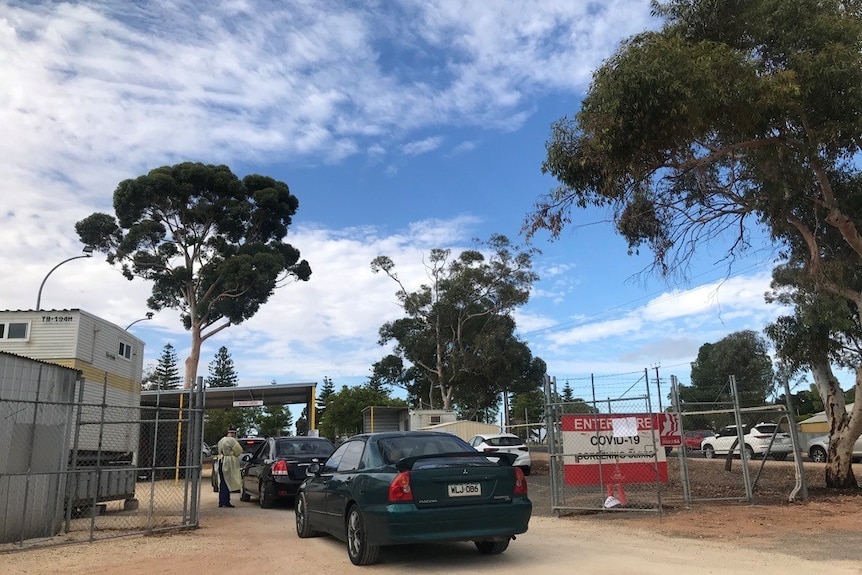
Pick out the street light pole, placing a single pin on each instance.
(88, 252)
(149, 316)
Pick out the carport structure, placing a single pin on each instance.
(180, 413)
(239, 396)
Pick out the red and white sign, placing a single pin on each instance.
(617, 448)
(668, 429)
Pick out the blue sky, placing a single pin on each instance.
(400, 126)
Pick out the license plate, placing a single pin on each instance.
(464, 489)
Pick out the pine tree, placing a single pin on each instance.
(222, 371)
(166, 374)
(223, 374)
(326, 390)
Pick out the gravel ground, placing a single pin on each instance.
(823, 535)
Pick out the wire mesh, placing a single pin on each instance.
(75, 470)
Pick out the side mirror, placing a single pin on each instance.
(245, 457)
(314, 468)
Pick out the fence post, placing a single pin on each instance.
(743, 453)
(801, 483)
(682, 455)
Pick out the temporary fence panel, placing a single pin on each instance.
(604, 454)
(93, 491)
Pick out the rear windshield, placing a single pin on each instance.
(766, 429)
(299, 447)
(504, 441)
(394, 448)
(249, 445)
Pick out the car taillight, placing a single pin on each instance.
(520, 482)
(280, 468)
(523, 449)
(400, 490)
(487, 449)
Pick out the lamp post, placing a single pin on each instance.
(149, 316)
(88, 252)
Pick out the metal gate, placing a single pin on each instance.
(63, 450)
(604, 454)
(617, 453)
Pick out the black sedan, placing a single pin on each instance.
(413, 487)
(278, 466)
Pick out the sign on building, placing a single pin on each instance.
(248, 403)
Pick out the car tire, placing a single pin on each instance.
(526, 469)
(749, 451)
(817, 454)
(708, 452)
(266, 497)
(303, 523)
(358, 549)
(491, 547)
(243, 494)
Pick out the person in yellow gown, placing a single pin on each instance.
(228, 452)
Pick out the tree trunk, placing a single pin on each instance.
(194, 357)
(839, 471)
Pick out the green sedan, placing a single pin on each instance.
(398, 487)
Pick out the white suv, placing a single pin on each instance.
(756, 441)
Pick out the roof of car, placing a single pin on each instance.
(380, 434)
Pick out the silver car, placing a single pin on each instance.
(818, 448)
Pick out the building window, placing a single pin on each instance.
(15, 330)
(435, 419)
(125, 350)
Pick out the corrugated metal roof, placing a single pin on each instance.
(36, 360)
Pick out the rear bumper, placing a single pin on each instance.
(404, 523)
(286, 487)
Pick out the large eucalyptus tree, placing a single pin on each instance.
(735, 114)
(211, 243)
(456, 344)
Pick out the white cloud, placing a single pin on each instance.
(99, 91)
(422, 146)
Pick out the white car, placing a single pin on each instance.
(505, 442)
(818, 448)
(756, 442)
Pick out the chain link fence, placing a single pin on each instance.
(613, 447)
(604, 452)
(81, 468)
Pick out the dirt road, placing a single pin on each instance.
(248, 539)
